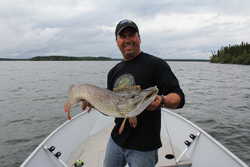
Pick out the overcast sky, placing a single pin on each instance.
(168, 28)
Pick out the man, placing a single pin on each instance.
(139, 141)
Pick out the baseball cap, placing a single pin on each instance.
(124, 24)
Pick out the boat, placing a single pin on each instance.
(82, 141)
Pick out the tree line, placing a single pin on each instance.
(67, 58)
(235, 54)
(59, 58)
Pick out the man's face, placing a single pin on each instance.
(129, 42)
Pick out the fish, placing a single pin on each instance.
(120, 103)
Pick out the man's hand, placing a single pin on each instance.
(86, 105)
(69, 116)
(155, 104)
(172, 100)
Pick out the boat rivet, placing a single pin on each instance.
(188, 143)
(192, 136)
(58, 154)
(52, 148)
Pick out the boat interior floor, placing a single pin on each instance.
(92, 152)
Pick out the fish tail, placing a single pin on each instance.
(67, 107)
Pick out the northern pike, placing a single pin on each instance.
(121, 103)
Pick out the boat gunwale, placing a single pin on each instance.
(40, 146)
(212, 139)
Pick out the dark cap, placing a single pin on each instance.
(124, 24)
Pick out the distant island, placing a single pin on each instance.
(69, 58)
(59, 58)
(236, 54)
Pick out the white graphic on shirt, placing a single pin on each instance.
(125, 80)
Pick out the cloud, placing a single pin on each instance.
(169, 29)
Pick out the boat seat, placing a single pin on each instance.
(181, 164)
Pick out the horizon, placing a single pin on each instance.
(28, 58)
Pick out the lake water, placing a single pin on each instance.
(32, 96)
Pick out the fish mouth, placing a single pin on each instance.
(151, 92)
(147, 97)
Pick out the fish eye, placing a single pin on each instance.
(136, 103)
(149, 95)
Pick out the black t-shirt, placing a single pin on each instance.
(147, 71)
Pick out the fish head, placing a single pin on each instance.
(136, 102)
(145, 96)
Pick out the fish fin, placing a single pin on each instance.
(134, 87)
(67, 107)
(122, 126)
(132, 121)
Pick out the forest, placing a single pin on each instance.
(232, 54)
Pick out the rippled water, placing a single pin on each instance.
(32, 96)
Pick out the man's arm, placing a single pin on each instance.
(172, 100)
(168, 85)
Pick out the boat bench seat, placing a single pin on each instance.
(183, 164)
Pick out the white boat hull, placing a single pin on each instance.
(72, 138)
